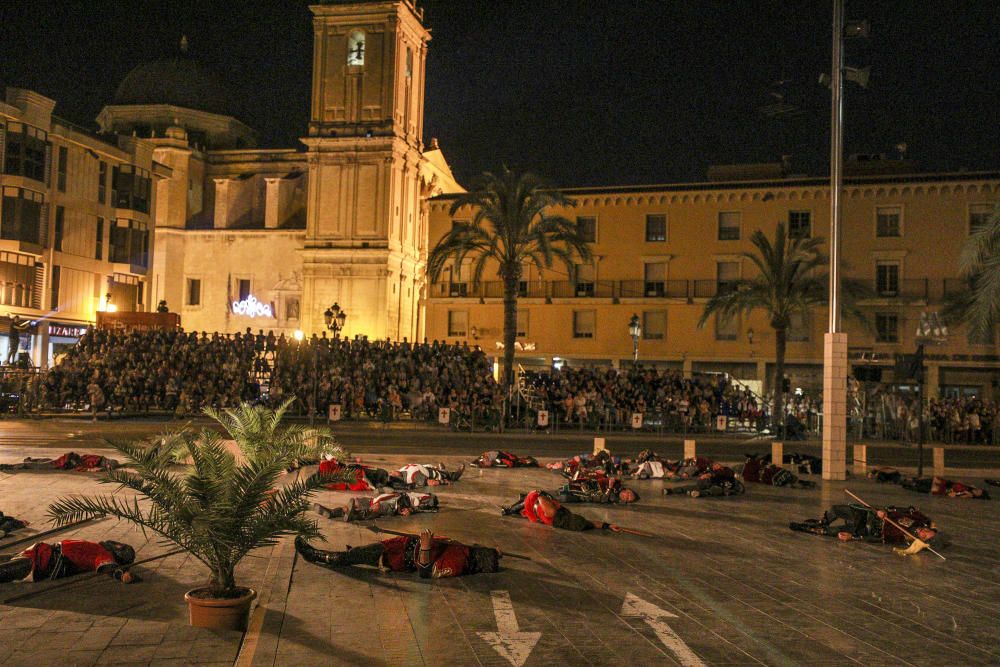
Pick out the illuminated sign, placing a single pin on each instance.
(66, 331)
(251, 307)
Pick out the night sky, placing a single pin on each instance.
(586, 92)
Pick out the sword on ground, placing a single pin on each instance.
(379, 529)
(918, 544)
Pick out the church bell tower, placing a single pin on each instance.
(364, 247)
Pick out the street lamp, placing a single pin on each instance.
(335, 318)
(635, 330)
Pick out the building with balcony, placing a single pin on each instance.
(662, 251)
(76, 220)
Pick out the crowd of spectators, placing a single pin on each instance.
(383, 379)
(138, 371)
(967, 419)
(607, 397)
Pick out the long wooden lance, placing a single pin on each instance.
(887, 519)
(379, 529)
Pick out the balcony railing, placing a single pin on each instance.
(909, 289)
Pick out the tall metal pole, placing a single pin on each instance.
(835, 363)
(836, 160)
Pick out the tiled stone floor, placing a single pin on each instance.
(723, 582)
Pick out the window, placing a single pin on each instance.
(726, 329)
(457, 323)
(656, 227)
(979, 215)
(193, 292)
(292, 309)
(17, 280)
(726, 275)
(126, 292)
(102, 183)
(409, 62)
(25, 151)
(243, 289)
(587, 229)
(56, 276)
(459, 223)
(887, 220)
(22, 215)
(129, 242)
(356, 48)
(886, 328)
(99, 250)
(522, 323)
(654, 325)
(522, 288)
(656, 279)
(584, 285)
(729, 225)
(61, 166)
(798, 327)
(799, 224)
(584, 323)
(887, 278)
(130, 188)
(60, 228)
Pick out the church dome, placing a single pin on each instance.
(178, 80)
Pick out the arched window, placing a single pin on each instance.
(356, 48)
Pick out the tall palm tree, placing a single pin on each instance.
(979, 305)
(510, 227)
(791, 280)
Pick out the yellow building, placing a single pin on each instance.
(661, 251)
(75, 223)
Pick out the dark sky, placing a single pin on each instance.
(586, 92)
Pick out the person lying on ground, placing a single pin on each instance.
(857, 522)
(758, 471)
(601, 491)
(434, 557)
(500, 459)
(418, 475)
(885, 475)
(939, 486)
(386, 504)
(807, 463)
(54, 561)
(366, 478)
(691, 468)
(9, 524)
(718, 480)
(540, 507)
(591, 465)
(68, 461)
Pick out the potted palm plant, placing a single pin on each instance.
(218, 511)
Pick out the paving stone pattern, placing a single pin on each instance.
(741, 587)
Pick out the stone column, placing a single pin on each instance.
(835, 406)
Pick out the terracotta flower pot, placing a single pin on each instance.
(219, 613)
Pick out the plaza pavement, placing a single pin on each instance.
(723, 582)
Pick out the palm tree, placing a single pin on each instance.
(979, 305)
(218, 511)
(511, 228)
(790, 281)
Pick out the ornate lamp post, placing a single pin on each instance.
(334, 318)
(635, 330)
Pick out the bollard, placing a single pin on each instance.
(778, 453)
(689, 449)
(599, 445)
(939, 461)
(860, 459)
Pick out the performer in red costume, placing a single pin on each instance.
(435, 557)
(68, 461)
(54, 561)
(540, 507)
(496, 458)
(395, 503)
(366, 478)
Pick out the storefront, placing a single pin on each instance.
(62, 337)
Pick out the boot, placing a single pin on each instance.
(328, 512)
(15, 569)
(454, 476)
(311, 554)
